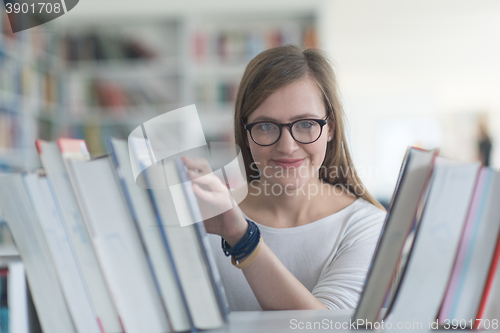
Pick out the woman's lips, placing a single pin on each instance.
(289, 163)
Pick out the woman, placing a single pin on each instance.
(318, 225)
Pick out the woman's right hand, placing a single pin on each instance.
(221, 217)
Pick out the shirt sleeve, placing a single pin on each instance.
(341, 281)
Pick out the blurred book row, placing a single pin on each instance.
(21, 82)
(37, 46)
(119, 96)
(238, 44)
(95, 77)
(222, 92)
(96, 47)
(102, 254)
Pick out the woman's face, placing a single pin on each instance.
(287, 162)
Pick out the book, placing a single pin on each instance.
(201, 232)
(160, 258)
(403, 212)
(475, 253)
(489, 307)
(437, 238)
(62, 254)
(66, 202)
(40, 272)
(117, 246)
(188, 252)
(17, 298)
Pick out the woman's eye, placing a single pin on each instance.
(305, 124)
(265, 127)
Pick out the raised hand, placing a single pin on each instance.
(220, 213)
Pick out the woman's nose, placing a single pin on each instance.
(286, 144)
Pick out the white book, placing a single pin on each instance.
(17, 298)
(410, 189)
(161, 260)
(70, 279)
(53, 164)
(189, 199)
(40, 271)
(118, 247)
(187, 250)
(430, 263)
(475, 253)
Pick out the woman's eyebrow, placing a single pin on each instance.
(301, 116)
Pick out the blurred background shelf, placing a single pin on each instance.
(93, 79)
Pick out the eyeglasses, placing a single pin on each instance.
(267, 133)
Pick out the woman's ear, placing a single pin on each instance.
(331, 130)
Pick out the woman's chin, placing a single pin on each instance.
(287, 185)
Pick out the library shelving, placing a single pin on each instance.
(30, 93)
(219, 48)
(118, 76)
(92, 80)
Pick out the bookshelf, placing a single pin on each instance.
(219, 49)
(94, 80)
(118, 77)
(180, 61)
(30, 93)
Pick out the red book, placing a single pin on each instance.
(492, 274)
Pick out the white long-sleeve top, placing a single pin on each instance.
(330, 257)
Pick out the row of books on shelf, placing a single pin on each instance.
(436, 261)
(240, 45)
(9, 130)
(96, 134)
(102, 254)
(36, 43)
(22, 82)
(98, 47)
(222, 91)
(116, 96)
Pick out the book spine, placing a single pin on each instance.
(163, 234)
(451, 295)
(489, 283)
(128, 199)
(202, 237)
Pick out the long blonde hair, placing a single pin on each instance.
(280, 66)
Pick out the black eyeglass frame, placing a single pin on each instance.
(321, 122)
